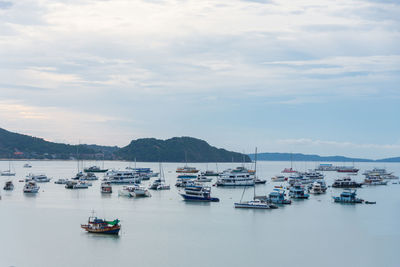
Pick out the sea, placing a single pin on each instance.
(163, 230)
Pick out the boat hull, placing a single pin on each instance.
(253, 206)
(198, 198)
(108, 231)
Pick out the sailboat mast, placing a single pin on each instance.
(255, 173)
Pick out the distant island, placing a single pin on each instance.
(303, 157)
(177, 149)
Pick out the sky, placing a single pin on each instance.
(307, 76)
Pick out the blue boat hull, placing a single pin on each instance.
(194, 198)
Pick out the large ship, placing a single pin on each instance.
(122, 177)
(233, 178)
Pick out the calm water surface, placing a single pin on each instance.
(44, 230)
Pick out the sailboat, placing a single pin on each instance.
(290, 170)
(255, 203)
(8, 172)
(159, 184)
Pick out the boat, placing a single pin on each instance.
(235, 178)
(187, 176)
(348, 196)
(279, 178)
(94, 169)
(289, 170)
(277, 196)
(8, 172)
(374, 180)
(346, 182)
(122, 177)
(101, 226)
(259, 181)
(316, 188)
(134, 191)
(31, 187)
(210, 173)
(321, 183)
(326, 167)
(203, 179)
(297, 192)
(187, 169)
(184, 182)
(313, 175)
(61, 181)
(39, 178)
(370, 202)
(27, 165)
(380, 171)
(9, 186)
(76, 185)
(198, 193)
(106, 188)
(347, 169)
(256, 203)
(159, 184)
(90, 176)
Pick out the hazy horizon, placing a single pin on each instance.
(312, 77)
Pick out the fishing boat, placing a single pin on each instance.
(316, 188)
(31, 187)
(101, 226)
(106, 188)
(346, 182)
(94, 169)
(9, 186)
(61, 181)
(187, 169)
(278, 197)
(279, 178)
(348, 196)
(198, 193)
(159, 184)
(297, 192)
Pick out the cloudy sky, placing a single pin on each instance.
(310, 76)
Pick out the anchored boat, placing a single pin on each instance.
(198, 192)
(348, 196)
(101, 226)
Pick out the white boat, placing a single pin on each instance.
(8, 172)
(61, 181)
(27, 165)
(76, 185)
(256, 203)
(316, 188)
(159, 184)
(278, 178)
(31, 187)
(39, 178)
(134, 191)
(374, 180)
(236, 177)
(122, 177)
(203, 179)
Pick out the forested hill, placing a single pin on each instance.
(177, 149)
(14, 145)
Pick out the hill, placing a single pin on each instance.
(177, 149)
(14, 145)
(396, 159)
(304, 157)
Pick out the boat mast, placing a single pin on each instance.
(255, 173)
